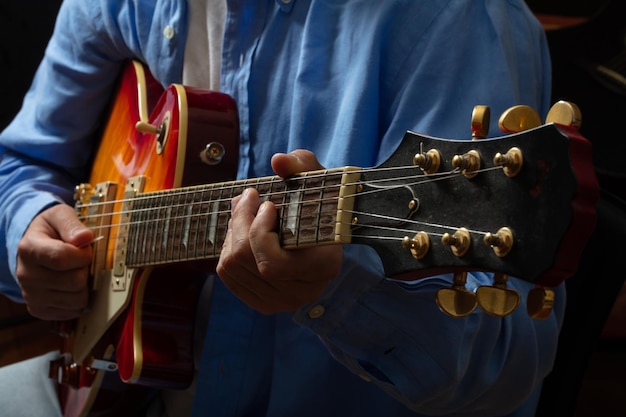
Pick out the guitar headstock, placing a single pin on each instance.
(521, 205)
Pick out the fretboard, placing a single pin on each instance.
(190, 223)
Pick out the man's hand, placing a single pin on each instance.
(53, 260)
(255, 267)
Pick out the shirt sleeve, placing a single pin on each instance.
(46, 150)
(392, 333)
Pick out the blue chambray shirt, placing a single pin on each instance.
(345, 79)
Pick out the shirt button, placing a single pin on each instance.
(317, 312)
(286, 1)
(168, 32)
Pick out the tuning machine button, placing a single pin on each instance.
(457, 301)
(540, 302)
(518, 119)
(459, 242)
(481, 117)
(565, 113)
(497, 300)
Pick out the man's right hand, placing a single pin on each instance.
(53, 261)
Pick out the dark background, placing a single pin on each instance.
(26, 26)
(597, 39)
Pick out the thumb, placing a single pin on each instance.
(63, 219)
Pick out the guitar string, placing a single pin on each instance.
(270, 180)
(178, 192)
(312, 202)
(197, 255)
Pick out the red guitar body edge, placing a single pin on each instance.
(584, 210)
(152, 340)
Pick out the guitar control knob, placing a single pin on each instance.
(459, 242)
(456, 301)
(497, 300)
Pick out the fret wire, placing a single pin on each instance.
(165, 248)
(212, 225)
(155, 250)
(148, 230)
(204, 210)
(320, 206)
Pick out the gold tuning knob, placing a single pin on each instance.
(428, 162)
(518, 119)
(459, 242)
(418, 245)
(481, 117)
(497, 300)
(469, 163)
(565, 113)
(501, 242)
(540, 302)
(511, 162)
(457, 301)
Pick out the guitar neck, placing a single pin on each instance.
(190, 223)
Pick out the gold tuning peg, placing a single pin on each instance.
(459, 242)
(518, 119)
(565, 113)
(457, 301)
(540, 302)
(497, 300)
(481, 117)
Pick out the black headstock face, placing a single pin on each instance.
(503, 205)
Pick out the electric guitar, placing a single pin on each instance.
(158, 202)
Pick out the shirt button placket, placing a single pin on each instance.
(168, 32)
